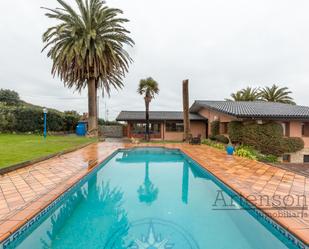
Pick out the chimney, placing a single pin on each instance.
(185, 101)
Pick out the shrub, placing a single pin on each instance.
(235, 131)
(267, 158)
(215, 128)
(70, 120)
(292, 144)
(213, 144)
(103, 122)
(247, 151)
(266, 138)
(243, 152)
(30, 119)
(9, 97)
(222, 139)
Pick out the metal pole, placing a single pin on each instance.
(45, 129)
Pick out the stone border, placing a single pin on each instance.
(40, 159)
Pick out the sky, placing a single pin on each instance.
(220, 46)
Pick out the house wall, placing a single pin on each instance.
(296, 131)
(129, 133)
(196, 127)
(213, 115)
(173, 136)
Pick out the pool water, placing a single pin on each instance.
(150, 198)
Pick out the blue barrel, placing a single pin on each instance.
(81, 128)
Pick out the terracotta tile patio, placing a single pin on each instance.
(26, 191)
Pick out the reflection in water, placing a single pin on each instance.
(66, 210)
(185, 183)
(147, 192)
(104, 221)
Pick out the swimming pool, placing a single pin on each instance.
(150, 198)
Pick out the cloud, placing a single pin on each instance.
(220, 46)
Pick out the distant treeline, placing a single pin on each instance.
(19, 116)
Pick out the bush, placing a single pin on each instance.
(245, 152)
(235, 131)
(71, 119)
(30, 119)
(103, 122)
(215, 128)
(9, 97)
(213, 144)
(292, 144)
(222, 139)
(267, 158)
(266, 138)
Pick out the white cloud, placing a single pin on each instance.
(220, 46)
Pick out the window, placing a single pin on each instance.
(306, 158)
(174, 126)
(286, 158)
(139, 128)
(305, 129)
(286, 129)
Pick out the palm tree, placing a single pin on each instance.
(277, 94)
(246, 94)
(87, 49)
(148, 87)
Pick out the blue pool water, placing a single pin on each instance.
(149, 198)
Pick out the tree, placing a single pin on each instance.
(148, 87)
(87, 49)
(277, 94)
(246, 94)
(9, 97)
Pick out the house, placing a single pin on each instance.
(169, 125)
(164, 125)
(293, 118)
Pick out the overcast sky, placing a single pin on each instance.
(220, 46)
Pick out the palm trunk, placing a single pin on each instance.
(92, 108)
(147, 135)
(185, 100)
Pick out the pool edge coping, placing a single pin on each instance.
(48, 198)
(27, 213)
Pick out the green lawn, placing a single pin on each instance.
(19, 148)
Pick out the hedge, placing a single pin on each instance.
(215, 128)
(30, 119)
(222, 139)
(292, 144)
(266, 138)
(235, 131)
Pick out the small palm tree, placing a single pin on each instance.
(87, 49)
(148, 87)
(277, 94)
(246, 94)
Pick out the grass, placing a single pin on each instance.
(19, 148)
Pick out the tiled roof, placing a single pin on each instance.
(155, 116)
(254, 109)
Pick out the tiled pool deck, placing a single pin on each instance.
(24, 192)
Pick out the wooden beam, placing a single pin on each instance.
(185, 101)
